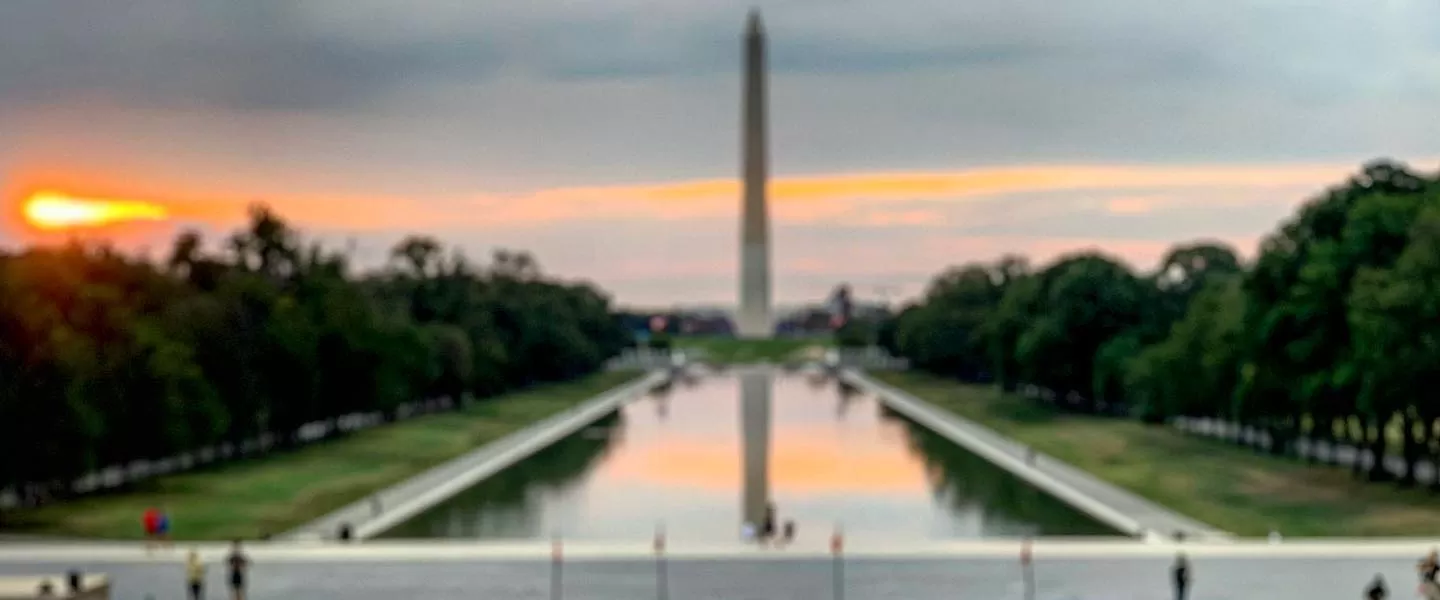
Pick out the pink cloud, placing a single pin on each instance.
(1131, 205)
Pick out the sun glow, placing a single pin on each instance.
(53, 210)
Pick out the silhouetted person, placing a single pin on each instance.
(73, 577)
(345, 533)
(1376, 590)
(47, 589)
(239, 565)
(767, 525)
(1181, 572)
(789, 535)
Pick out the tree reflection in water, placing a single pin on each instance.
(501, 506)
(963, 480)
(847, 395)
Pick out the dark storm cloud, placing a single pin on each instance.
(237, 55)
(336, 54)
(318, 54)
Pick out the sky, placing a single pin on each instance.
(603, 135)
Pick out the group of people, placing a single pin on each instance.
(1428, 568)
(157, 528)
(238, 565)
(767, 530)
(157, 533)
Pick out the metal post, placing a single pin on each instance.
(837, 548)
(557, 591)
(662, 577)
(1027, 569)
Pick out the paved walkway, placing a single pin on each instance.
(809, 547)
(410, 497)
(1240, 571)
(1107, 503)
(1338, 454)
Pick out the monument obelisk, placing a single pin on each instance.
(754, 221)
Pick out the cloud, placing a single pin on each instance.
(602, 135)
(857, 198)
(1131, 205)
(341, 55)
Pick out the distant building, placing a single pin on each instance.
(841, 306)
(644, 325)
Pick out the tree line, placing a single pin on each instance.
(1332, 334)
(107, 359)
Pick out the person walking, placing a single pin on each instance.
(1181, 573)
(1376, 590)
(195, 575)
(239, 565)
(1429, 568)
(162, 527)
(151, 521)
(767, 525)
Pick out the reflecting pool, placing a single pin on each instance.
(709, 453)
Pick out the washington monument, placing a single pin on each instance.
(755, 222)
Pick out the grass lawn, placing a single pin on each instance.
(1227, 486)
(726, 350)
(275, 493)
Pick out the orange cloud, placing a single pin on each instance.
(863, 198)
(837, 196)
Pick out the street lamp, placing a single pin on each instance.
(884, 291)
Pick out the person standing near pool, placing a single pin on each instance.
(239, 565)
(1181, 574)
(162, 527)
(151, 521)
(195, 576)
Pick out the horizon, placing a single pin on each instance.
(606, 143)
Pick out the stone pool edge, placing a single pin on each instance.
(1115, 507)
(412, 496)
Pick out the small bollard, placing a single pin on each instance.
(662, 575)
(556, 569)
(1027, 568)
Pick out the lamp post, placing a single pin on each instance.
(884, 292)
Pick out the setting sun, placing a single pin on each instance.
(53, 210)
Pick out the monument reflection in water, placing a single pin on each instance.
(704, 457)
